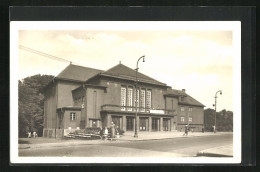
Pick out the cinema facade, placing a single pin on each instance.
(81, 97)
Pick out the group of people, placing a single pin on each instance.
(113, 131)
(30, 134)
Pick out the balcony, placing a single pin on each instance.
(139, 109)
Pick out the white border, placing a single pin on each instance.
(15, 26)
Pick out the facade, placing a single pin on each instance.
(81, 97)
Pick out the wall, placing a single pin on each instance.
(64, 93)
(197, 115)
(171, 103)
(68, 123)
(50, 107)
(93, 107)
(113, 92)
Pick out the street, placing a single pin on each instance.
(175, 147)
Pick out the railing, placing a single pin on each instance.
(139, 109)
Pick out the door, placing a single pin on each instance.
(155, 124)
(116, 121)
(94, 123)
(129, 123)
(142, 124)
(165, 125)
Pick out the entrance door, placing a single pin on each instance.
(94, 123)
(155, 124)
(129, 123)
(116, 121)
(142, 124)
(165, 125)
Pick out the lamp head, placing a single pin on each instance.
(220, 92)
(143, 59)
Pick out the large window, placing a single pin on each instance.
(130, 98)
(123, 97)
(148, 99)
(136, 100)
(142, 100)
(182, 119)
(72, 116)
(190, 119)
(190, 108)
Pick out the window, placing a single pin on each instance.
(136, 100)
(182, 119)
(190, 108)
(148, 99)
(123, 97)
(182, 108)
(72, 116)
(190, 119)
(142, 100)
(130, 98)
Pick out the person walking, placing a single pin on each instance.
(34, 134)
(112, 130)
(29, 134)
(186, 131)
(105, 133)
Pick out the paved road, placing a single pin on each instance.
(185, 146)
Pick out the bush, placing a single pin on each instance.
(92, 130)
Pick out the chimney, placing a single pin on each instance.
(183, 90)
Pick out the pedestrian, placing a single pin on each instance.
(186, 130)
(29, 134)
(112, 130)
(214, 129)
(105, 133)
(34, 134)
(202, 129)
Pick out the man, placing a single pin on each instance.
(112, 130)
(186, 130)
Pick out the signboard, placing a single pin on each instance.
(157, 111)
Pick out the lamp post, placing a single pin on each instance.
(220, 91)
(142, 57)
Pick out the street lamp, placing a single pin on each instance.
(136, 135)
(220, 91)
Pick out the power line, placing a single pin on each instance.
(44, 54)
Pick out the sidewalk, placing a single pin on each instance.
(129, 136)
(25, 143)
(221, 151)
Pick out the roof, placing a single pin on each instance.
(89, 85)
(79, 73)
(123, 72)
(173, 92)
(190, 101)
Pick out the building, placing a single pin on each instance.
(81, 97)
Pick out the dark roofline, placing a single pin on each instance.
(131, 79)
(184, 103)
(149, 78)
(70, 80)
(89, 85)
(69, 108)
(77, 66)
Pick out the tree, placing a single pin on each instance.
(224, 120)
(31, 103)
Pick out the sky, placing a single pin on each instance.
(199, 61)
